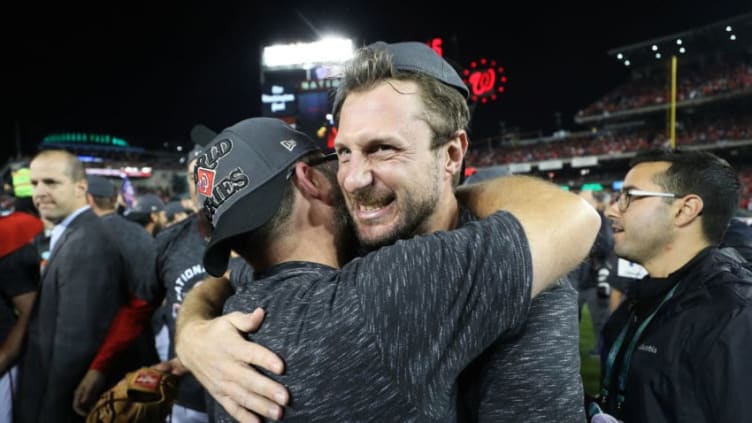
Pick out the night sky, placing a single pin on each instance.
(147, 71)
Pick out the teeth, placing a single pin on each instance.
(369, 208)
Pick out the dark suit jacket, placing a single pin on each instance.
(80, 292)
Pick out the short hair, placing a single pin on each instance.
(703, 174)
(105, 203)
(74, 168)
(249, 244)
(447, 110)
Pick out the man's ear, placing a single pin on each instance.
(309, 181)
(456, 149)
(690, 208)
(82, 187)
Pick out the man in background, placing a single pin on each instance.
(129, 343)
(149, 212)
(19, 279)
(677, 349)
(592, 276)
(79, 294)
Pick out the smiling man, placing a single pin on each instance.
(402, 121)
(678, 348)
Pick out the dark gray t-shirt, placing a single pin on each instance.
(139, 252)
(535, 376)
(386, 338)
(19, 274)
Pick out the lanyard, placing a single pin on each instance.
(614, 351)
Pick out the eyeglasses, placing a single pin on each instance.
(624, 198)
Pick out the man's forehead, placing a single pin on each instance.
(643, 173)
(374, 116)
(48, 168)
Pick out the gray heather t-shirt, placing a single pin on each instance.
(535, 376)
(386, 338)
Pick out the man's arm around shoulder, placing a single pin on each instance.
(560, 226)
(212, 348)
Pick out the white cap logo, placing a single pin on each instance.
(288, 144)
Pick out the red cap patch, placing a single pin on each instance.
(204, 181)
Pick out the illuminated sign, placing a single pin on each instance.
(485, 79)
(129, 171)
(278, 99)
(437, 45)
(318, 84)
(84, 138)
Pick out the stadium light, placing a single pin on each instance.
(626, 63)
(619, 56)
(657, 55)
(655, 47)
(682, 50)
(300, 55)
(728, 28)
(732, 37)
(678, 42)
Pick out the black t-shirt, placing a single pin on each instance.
(386, 337)
(180, 251)
(19, 274)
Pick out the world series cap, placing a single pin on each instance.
(241, 177)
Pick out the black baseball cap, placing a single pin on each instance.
(144, 206)
(241, 177)
(174, 207)
(414, 56)
(100, 186)
(201, 135)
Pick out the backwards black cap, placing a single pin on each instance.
(413, 56)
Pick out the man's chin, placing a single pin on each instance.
(372, 239)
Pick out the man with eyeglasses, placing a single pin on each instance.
(678, 348)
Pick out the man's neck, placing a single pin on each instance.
(673, 258)
(101, 212)
(446, 215)
(311, 245)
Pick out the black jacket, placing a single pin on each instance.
(692, 362)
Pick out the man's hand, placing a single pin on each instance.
(88, 391)
(174, 367)
(219, 356)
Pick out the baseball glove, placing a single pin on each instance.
(144, 395)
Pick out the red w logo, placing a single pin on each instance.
(204, 181)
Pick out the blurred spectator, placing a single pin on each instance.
(176, 212)
(129, 343)
(19, 267)
(22, 190)
(149, 212)
(591, 276)
(739, 237)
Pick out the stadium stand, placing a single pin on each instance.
(713, 112)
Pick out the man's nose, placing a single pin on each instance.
(612, 210)
(357, 174)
